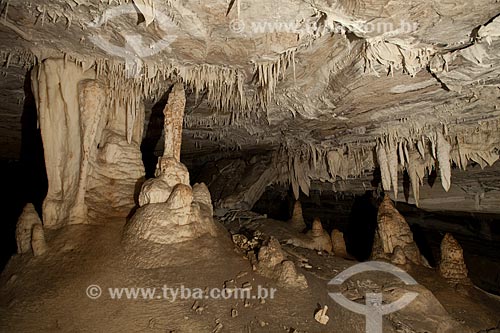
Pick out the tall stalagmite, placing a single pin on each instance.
(392, 232)
(171, 211)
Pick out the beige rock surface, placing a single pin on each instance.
(297, 221)
(171, 211)
(38, 243)
(393, 231)
(338, 243)
(272, 263)
(24, 228)
(452, 265)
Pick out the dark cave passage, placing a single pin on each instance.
(24, 180)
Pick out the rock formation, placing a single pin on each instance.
(24, 228)
(297, 221)
(393, 232)
(38, 244)
(91, 147)
(171, 211)
(239, 183)
(315, 239)
(272, 263)
(338, 243)
(452, 265)
(321, 239)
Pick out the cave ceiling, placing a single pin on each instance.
(273, 75)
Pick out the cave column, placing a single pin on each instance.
(55, 87)
(91, 146)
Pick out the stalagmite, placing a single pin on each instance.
(452, 265)
(393, 231)
(171, 211)
(338, 243)
(38, 244)
(315, 239)
(24, 228)
(321, 239)
(273, 264)
(297, 222)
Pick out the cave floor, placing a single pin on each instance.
(49, 293)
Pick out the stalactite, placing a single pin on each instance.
(392, 158)
(384, 166)
(416, 171)
(443, 149)
(420, 146)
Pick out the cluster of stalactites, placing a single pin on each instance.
(418, 157)
(421, 152)
(269, 73)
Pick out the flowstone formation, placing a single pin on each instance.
(91, 144)
(452, 265)
(171, 211)
(393, 237)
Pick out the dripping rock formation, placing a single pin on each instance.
(168, 143)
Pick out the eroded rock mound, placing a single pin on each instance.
(452, 265)
(392, 232)
(25, 224)
(273, 264)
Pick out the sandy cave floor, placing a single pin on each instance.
(48, 293)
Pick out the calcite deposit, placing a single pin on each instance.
(165, 142)
(273, 263)
(338, 243)
(297, 221)
(171, 211)
(452, 265)
(315, 239)
(24, 229)
(393, 236)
